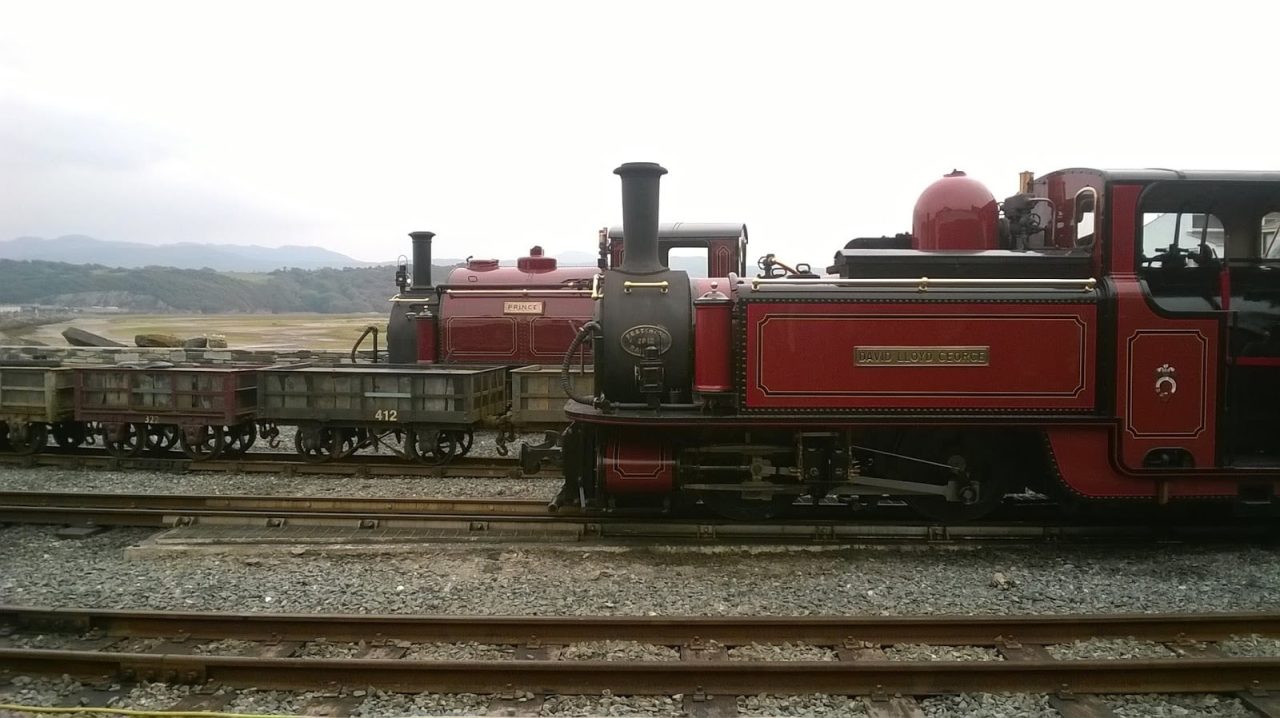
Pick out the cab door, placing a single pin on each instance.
(1168, 328)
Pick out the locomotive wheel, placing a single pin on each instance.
(123, 440)
(315, 444)
(431, 447)
(28, 438)
(733, 506)
(238, 439)
(160, 438)
(201, 443)
(4, 436)
(984, 493)
(69, 434)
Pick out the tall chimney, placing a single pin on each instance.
(640, 217)
(421, 260)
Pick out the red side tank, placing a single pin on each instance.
(956, 212)
(713, 342)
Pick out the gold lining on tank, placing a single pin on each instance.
(922, 356)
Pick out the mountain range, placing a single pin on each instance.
(79, 249)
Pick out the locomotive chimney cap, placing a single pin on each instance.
(640, 168)
(422, 234)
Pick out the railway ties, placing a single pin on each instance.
(864, 657)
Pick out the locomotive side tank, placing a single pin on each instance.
(1071, 346)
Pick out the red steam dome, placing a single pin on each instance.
(956, 212)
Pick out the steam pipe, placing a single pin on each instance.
(640, 217)
(421, 260)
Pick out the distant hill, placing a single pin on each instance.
(165, 289)
(79, 249)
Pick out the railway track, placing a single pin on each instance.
(176, 647)
(287, 464)
(522, 519)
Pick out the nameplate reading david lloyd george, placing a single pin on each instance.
(921, 356)
(522, 307)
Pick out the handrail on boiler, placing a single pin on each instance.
(924, 284)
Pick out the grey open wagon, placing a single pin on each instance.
(424, 411)
(36, 401)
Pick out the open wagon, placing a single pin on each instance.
(425, 412)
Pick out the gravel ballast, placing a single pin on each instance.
(1177, 706)
(1109, 649)
(781, 652)
(44, 691)
(988, 705)
(36, 568)
(610, 705)
(920, 652)
(615, 651)
(816, 704)
(1252, 645)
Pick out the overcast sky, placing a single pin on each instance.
(497, 125)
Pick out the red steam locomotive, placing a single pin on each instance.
(1109, 334)
(486, 313)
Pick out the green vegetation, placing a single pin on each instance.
(327, 291)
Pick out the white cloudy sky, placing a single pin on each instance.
(497, 124)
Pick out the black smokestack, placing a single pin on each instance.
(640, 217)
(421, 260)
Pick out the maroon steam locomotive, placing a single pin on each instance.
(486, 313)
(1106, 334)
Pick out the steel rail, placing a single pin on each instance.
(524, 519)
(980, 630)
(1175, 675)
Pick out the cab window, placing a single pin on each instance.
(691, 259)
(1270, 232)
(1169, 238)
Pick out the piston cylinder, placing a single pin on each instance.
(637, 466)
(712, 342)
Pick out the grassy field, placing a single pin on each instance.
(243, 331)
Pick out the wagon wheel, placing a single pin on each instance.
(123, 440)
(463, 439)
(431, 446)
(69, 434)
(238, 439)
(28, 438)
(352, 440)
(160, 438)
(201, 443)
(983, 493)
(316, 444)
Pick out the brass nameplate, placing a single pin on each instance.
(522, 307)
(921, 356)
